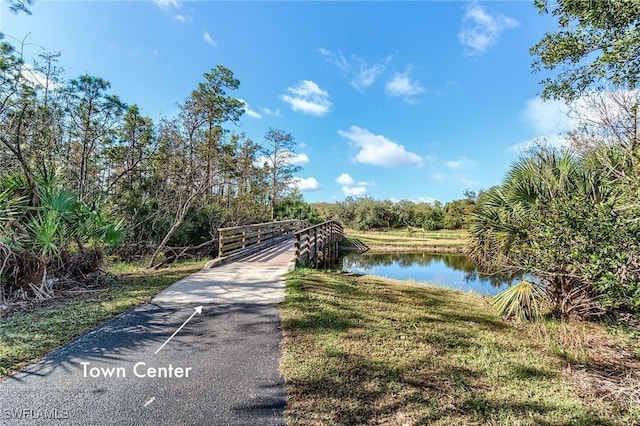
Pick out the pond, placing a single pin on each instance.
(452, 270)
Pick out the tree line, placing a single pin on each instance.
(81, 170)
(366, 213)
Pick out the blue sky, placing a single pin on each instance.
(396, 100)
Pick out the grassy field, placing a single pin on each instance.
(410, 239)
(27, 335)
(363, 350)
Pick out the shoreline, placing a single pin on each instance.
(407, 249)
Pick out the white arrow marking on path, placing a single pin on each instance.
(198, 311)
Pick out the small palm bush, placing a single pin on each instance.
(46, 231)
(524, 301)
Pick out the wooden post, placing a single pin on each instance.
(330, 244)
(325, 239)
(244, 238)
(325, 244)
(307, 249)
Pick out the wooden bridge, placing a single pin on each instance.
(315, 245)
(319, 245)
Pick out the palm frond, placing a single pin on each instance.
(523, 301)
(47, 231)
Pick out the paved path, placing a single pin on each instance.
(223, 364)
(255, 279)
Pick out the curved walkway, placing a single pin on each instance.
(221, 368)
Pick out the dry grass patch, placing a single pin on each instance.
(603, 362)
(363, 350)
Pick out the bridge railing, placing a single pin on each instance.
(236, 238)
(319, 245)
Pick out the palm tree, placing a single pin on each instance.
(40, 226)
(513, 226)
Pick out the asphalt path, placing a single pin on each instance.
(221, 368)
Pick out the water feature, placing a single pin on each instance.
(452, 270)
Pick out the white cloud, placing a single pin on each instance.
(306, 184)
(360, 74)
(345, 179)
(354, 191)
(401, 85)
(207, 38)
(482, 29)
(298, 159)
(261, 161)
(378, 150)
(366, 76)
(350, 187)
(552, 119)
(428, 200)
(251, 113)
(273, 113)
(307, 97)
(460, 163)
(36, 78)
(438, 176)
(547, 117)
(166, 4)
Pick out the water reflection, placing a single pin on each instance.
(451, 270)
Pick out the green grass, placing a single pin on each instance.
(26, 336)
(411, 238)
(363, 350)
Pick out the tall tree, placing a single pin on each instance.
(48, 121)
(212, 106)
(134, 143)
(178, 172)
(278, 156)
(29, 112)
(597, 45)
(194, 159)
(93, 117)
(16, 99)
(127, 165)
